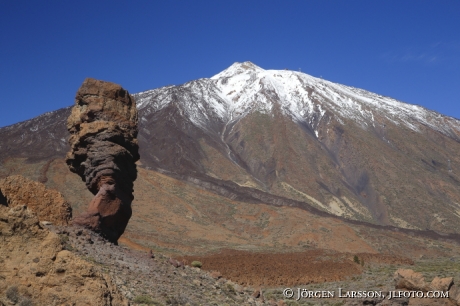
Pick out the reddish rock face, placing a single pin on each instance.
(48, 204)
(104, 149)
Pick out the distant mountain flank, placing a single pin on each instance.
(342, 150)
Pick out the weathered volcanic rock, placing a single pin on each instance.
(48, 204)
(36, 270)
(441, 284)
(407, 279)
(104, 149)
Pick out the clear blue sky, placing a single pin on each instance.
(409, 50)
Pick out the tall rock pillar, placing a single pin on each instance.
(103, 151)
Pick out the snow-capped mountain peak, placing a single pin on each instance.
(237, 68)
(245, 87)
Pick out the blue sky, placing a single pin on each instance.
(408, 50)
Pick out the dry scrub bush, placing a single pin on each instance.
(196, 264)
(12, 294)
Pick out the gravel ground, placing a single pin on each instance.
(150, 279)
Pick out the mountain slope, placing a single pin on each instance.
(342, 150)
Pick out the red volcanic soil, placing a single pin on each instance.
(279, 269)
(287, 269)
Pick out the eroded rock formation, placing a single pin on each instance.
(48, 204)
(104, 149)
(36, 270)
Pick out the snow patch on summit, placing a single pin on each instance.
(244, 87)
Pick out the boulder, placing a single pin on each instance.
(216, 274)
(176, 263)
(454, 293)
(441, 284)
(48, 204)
(257, 293)
(103, 151)
(407, 279)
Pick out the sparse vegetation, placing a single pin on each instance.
(12, 293)
(356, 259)
(230, 289)
(65, 242)
(25, 302)
(90, 259)
(196, 264)
(64, 238)
(179, 300)
(144, 299)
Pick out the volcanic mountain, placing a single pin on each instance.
(341, 149)
(278, 137)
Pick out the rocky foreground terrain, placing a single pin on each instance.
(327, 262)
(36, 270)
(67, 265)
(51, 263)
(44, 263)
